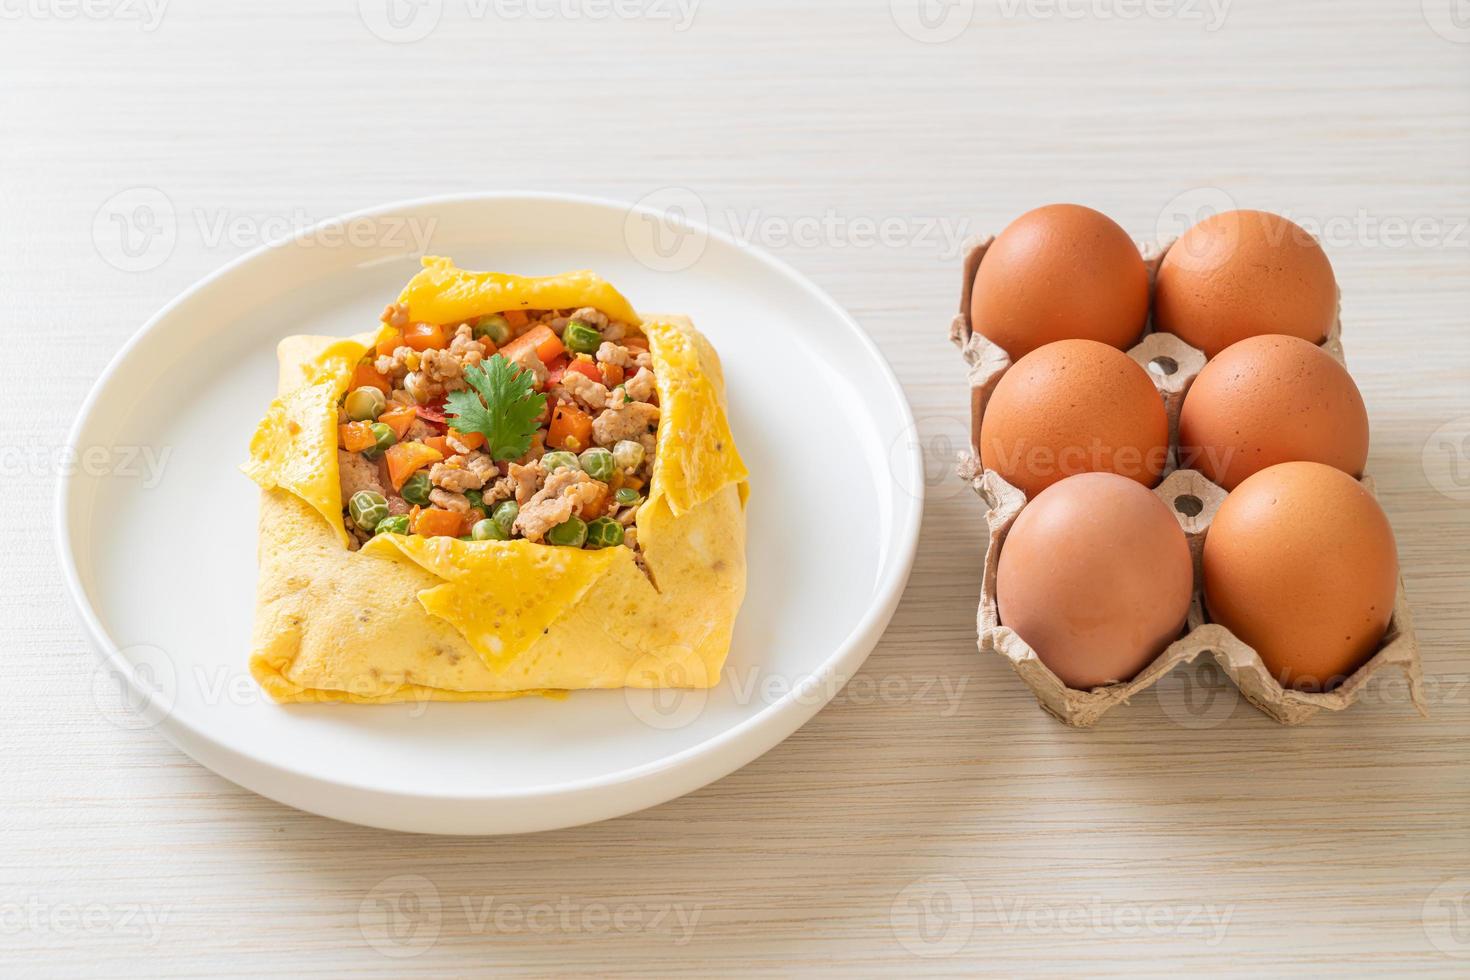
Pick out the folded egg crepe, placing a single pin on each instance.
(512, 486)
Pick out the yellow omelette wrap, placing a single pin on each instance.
(438, 618)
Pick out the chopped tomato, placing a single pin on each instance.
(490, 347)
(356, 436)
(433, 412)
(516, 318)
(435, 522)
(407, 458)
(569, 423)
(470, 440)
(556, 370)
(398, 419)
(440, 445)
(586, 367)
(367, 376)
(425, 336)
(540, 339)
(612, 375)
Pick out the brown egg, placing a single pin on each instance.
(1300, 563)
(1095, 576)
(1241, 274)
(1060, 272)
(1074, 406)
(1268, 400)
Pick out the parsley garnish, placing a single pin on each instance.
(506, 411)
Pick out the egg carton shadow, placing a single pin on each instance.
(1172, 365)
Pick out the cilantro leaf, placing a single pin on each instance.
(505, 411)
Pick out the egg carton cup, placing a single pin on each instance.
(1172, 365)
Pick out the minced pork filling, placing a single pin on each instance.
(534, 424)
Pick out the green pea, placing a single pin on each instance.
(571, 532)
(628, 455)
(598, 463)
(505, 515)
(558, 460)
(364, 404)
(581, 337)
(476, 498)
(488, 530)
(416, 488)
(604, 533)
(397, 524)
(367, 508)
(626, 496)
(384, 438)
(495, 327)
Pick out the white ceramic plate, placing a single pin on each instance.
(157, 526)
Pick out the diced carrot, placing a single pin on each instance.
(586, 367)
(424, 336)
(440, 445)
(540, 339)
(470, 440)
(367, 376)
(356, 436)
(435, 522)
(598, 506)
(612, 375)
(407, 458)
(399, 419)
(569, 423)
(490, 347)
(634, 342)
(516, 318)
(390, 342)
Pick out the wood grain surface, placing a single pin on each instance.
(931, 819)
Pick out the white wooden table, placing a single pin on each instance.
(931, 818)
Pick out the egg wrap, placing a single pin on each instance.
(411, 618)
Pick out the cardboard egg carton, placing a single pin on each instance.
(1172, 365)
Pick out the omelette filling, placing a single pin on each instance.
(528, 424)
